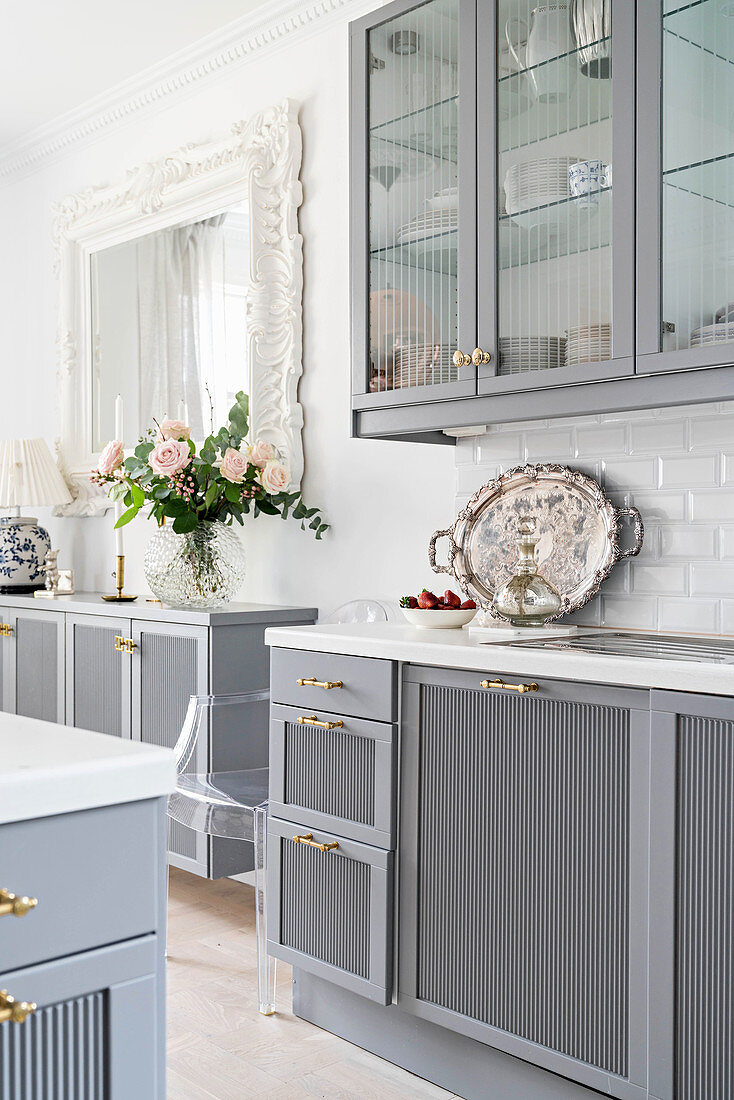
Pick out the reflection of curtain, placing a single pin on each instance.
(177, 310)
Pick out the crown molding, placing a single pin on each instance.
(175, 75)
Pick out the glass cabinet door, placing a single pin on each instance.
(556, 202)
(413, 188)
(686, 191)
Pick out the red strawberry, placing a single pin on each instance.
(427, 600)
(408, 601)
(468, 605)
(451, 599)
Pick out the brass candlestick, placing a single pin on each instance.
(119, 575)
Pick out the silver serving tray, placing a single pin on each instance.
(579, 526)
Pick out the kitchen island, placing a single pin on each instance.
(82, 913)
(507, 869)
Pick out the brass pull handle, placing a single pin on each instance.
(124, 645)
(522, 688)
(12, 1010)
(11, 905)
(461, 360)
(313, 721)
(307, 838)
(6, 630)
(327, 685)
(479, 357)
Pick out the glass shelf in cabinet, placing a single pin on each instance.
(438, 253)
(703, 25)
(544, 66)
(711, 179)
(571, 226)
(433, 130)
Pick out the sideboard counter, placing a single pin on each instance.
(463, 650)
(146, 607)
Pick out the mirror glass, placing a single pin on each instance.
(169, 327)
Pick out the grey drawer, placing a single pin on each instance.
(330, 913)
(340, 779)
(368, 687)
(95, 875)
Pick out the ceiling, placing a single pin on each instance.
(55, 56)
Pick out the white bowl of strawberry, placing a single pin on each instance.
(431, 612)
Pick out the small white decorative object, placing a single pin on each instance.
(28, 476)
(257, 161)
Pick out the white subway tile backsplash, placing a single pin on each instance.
(677, 467)
(690, 471)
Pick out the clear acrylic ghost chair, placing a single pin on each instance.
(230, 804)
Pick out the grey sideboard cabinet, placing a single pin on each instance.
(91, 955)
(512, 894)
(542, 211)
(128, 670)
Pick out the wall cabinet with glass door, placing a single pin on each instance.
(494, 209)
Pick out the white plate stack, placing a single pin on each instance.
(423, 365)
(530, 353)
(721, 333)
(589, 343)
(433, 223)
(537, 183)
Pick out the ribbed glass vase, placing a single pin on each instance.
(202, 568)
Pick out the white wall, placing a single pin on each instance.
(382, 499)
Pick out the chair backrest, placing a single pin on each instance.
(360, 611)
(197, 720)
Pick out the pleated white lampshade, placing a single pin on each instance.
(29, 475)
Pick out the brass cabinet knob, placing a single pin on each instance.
(12, 905)
(479, 357)
(12, 1010)
(522, 688)
(6, 630)
(125, 645)
(461, 360)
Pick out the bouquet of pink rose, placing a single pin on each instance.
(223, 481)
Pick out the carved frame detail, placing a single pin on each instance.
(259, 160)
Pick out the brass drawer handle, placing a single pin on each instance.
(12, 1010)
(522, 688)
(313, 721)
(11, 905)
(6, 630)
(327, 685)
(307, 838)
(125, 645)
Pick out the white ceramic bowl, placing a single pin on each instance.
(437, 619)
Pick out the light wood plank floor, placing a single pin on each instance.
(219, 1046)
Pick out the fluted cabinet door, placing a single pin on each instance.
(170, 664)
(523, 878)
(33, 659)
(97, 675)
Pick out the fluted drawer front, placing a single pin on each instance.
(59, 1053)
(704, 1063)
(330, 912)
(340, 778)
(523, 871)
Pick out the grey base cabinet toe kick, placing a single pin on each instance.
(87, 963)
(509, 893)
(128, 670)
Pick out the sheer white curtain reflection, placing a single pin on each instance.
(180, 311)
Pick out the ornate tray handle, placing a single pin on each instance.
(432, 552)
(633, 551)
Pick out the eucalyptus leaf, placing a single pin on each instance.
(131, 513)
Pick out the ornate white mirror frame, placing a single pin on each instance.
(259, 161)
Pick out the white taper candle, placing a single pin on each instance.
(118, 504)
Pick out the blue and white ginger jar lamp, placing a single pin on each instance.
(28, 477)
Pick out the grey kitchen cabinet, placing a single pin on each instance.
(500, 269)
(692, 883)
(129, 671)
(523, 885)
(33, 663)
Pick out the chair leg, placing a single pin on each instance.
(265, 965)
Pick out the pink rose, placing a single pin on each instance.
(260, 453)
(234, 465)
(275, 476)
(112, 457)
(174, 429)
(169, 456)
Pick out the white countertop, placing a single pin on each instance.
(50, 769)
(460, 649)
